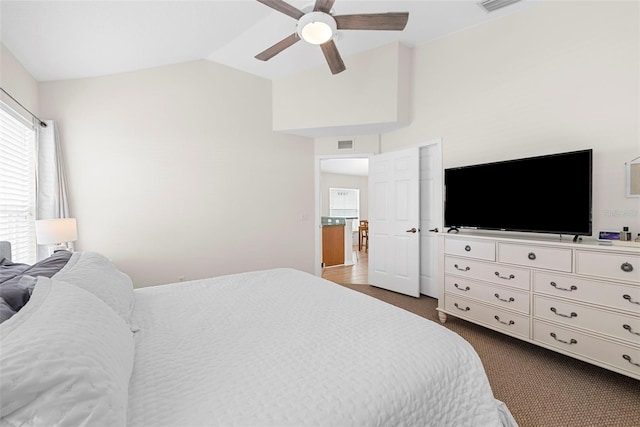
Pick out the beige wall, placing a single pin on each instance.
(16, 80)
(560, 76)
(328, 104)
(175, 171)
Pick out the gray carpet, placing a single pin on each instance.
(540, 387)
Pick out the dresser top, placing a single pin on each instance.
(555, 240)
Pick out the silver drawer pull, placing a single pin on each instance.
(626, 267)
(628, 359)
(463, 309)
(467, 248)
(531, 256)
(555, 311)
(509, 323)
(572, 288)
(466, 288)
(628, 298)
(630, 329)
(511, 299)
(570, 342)
(462, 269)
(511, 276)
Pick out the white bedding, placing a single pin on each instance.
(65, 360)
(285, 348)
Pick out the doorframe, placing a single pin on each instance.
(318, 201)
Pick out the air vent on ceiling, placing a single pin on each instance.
(345, 145)
(491, 5)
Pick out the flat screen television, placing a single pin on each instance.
(543, 194)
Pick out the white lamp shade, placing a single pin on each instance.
(50, 231)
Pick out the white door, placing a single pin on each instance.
(431, 195)
(394, 221)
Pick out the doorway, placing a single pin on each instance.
(344, 174)
(431, 204)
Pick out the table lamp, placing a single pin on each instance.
(56, 233)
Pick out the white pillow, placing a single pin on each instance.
(66, 360)
(95, 273)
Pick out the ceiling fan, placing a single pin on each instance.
(319, 27)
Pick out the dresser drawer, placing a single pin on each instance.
(603, 322)
(600, 350)
(613, 266)
(504, 297)
(478, 249)
(625, 297)
(559, 259)
(497, 273)
(512, 323)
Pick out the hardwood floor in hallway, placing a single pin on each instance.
(356, 274)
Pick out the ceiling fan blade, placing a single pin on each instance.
(278, 47)
(332, 56)
(323, 6)
(392, 21)
(283, 7)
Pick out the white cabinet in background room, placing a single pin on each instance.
(580, 299)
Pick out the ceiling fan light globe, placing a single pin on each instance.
(316, 33)
(317, 27)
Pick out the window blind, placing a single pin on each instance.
(17, 185)
(345, 202)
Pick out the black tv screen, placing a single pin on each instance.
(544, 194)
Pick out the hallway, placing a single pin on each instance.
(356, 274)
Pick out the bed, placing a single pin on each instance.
(277, 347)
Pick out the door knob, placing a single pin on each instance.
(413, 230)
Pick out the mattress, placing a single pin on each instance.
(284, 348)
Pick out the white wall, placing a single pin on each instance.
(16, 80)
(560, 76)
(326, 104)
(175, 171)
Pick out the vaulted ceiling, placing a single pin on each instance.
(56, 40)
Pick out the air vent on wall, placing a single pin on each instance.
(491, 5)
(345, 145)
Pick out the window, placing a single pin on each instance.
(17, 184)
(345, 202)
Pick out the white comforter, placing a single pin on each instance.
(281, 347)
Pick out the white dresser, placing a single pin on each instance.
(579, 299)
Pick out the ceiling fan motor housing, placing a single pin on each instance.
(317, 27)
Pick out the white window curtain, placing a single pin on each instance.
(51, 182)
